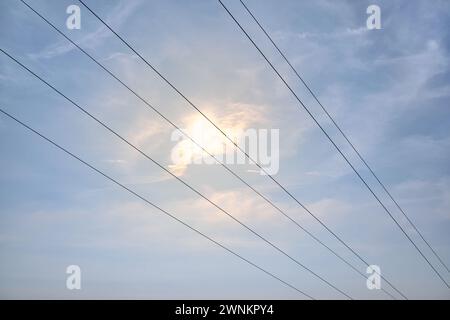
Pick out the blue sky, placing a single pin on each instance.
(388, 89)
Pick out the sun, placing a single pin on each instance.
(211, 140)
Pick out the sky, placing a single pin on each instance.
(388, 89)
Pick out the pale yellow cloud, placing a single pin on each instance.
(233, 122)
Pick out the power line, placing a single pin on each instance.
(197, 144)
(234, 143)
(177, 178)
(154, 205)
(337, 148)
(344, 135)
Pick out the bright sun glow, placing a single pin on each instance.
(206, 135)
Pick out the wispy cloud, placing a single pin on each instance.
(119, 14)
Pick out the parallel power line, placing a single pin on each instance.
(236, 145)
(337, 147)
(303, 266)
(156, 206)
(197, 144)
(345, 137)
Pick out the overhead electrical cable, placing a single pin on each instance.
(346, 137)
(134, 193)
(145, 101)
(337, 148)
(101, 123)
(235, 144)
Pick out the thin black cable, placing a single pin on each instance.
(344, 135)
(234, 143)
(178, 178)
(337, 148)
(154, 205)
(211, 155)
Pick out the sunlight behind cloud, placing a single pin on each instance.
(234, 124)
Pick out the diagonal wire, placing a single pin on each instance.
(345, 136)
(337, 148)
(154, 205)
(178, 178)
(237, 146)
(197, 144)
